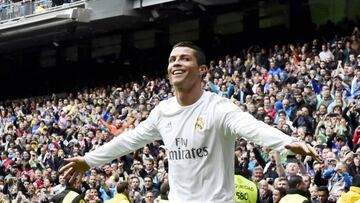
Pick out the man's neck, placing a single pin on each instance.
(187, 97)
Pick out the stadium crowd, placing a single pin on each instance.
(18, 8)
(309, 91)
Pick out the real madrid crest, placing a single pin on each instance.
(199, 125)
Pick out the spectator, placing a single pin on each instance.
(281, 182)
(164, 191)
(303, 119)
(273, 168)
(325, 98)
(339, 180)
(348, 51)
(354, 166)
(149, 169)
(258, 174)
(147, 157)
(323, 195)
(134, 187)
(325, 53)
(92, 195)
(278, 193)
(296, 191)
(149, 197)
(355, 84)
(149, 186)
(57, 189)
(266, 195)
(121, 195)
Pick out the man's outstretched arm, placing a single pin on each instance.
(132, 140)
(245, 125)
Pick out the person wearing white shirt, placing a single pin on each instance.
(199, 130)
(60, 187)
(326, 54)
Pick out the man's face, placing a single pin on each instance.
(107, 169)
(305, 111)
(307, 181)
(135, 183)
(92, 180)
(326, 92)
(352, 57)
(62, 180)
(147, 182)
(149, 165)
(258, 174)
(303, 70)
(183, 69)
(272, 65)
(26, 155)
(149, 197)
(31, 189)
(292, 168)
(298, 97)
(284, 184)
(146, 150)
(252, 108)
(323, 47)
(276, 195)
(60, 153)
(322, 196)
(260, 111)
(38, 174)
(285, 104)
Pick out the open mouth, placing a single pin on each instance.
(178, 72)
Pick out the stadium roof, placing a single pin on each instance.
(83, 19)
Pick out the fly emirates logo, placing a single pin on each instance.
(183, 152)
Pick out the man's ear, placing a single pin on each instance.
(203, 70)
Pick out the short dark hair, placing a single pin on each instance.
(148, 176)
(120, 188)
(323, 189)
(199, 53)
(294, 181)
(356, 181)
(164, 190)
(282, 112)
(337, 107)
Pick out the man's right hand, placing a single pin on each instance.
(76, 167)
(302, 148)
